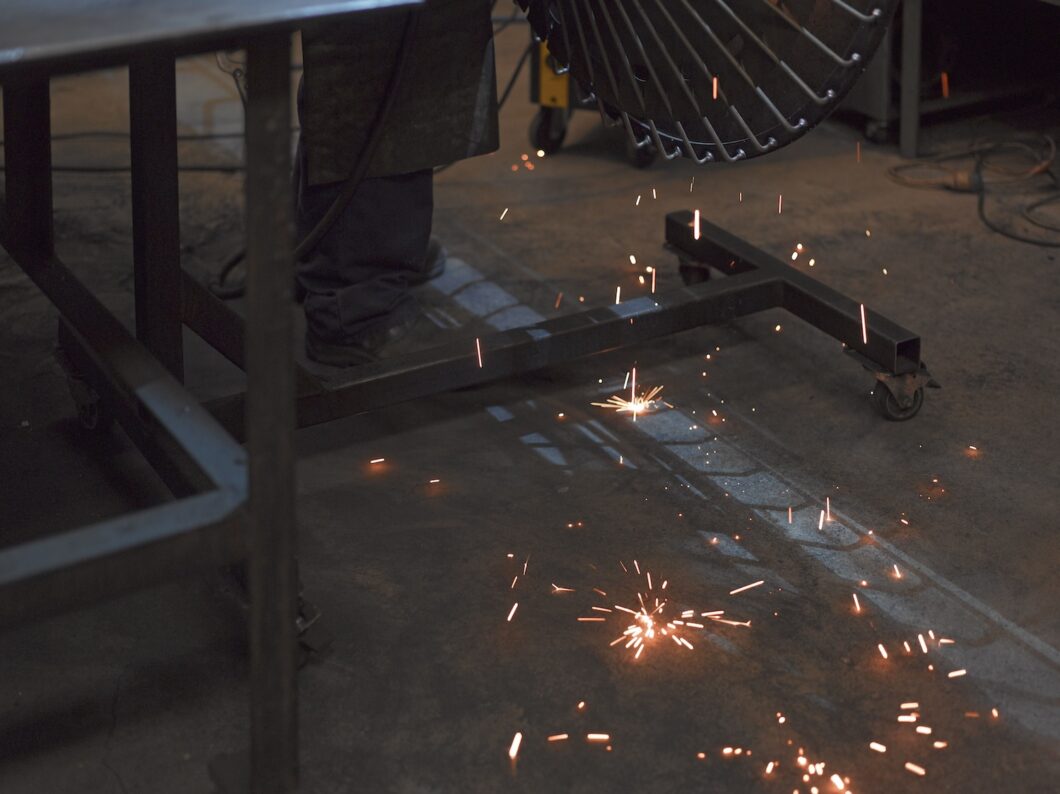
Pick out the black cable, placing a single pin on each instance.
(367, 153)
(515, 76)
(1040, 150)
(353, 181)
(122, 169)
(1028, 211)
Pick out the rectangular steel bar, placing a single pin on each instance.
(71, 569)
(909, 87)
(270, 420)
(894, 349)
(156, 206)
(155, 440)
(527, 349)
(28, 176)
(222, 328)
(124, 365)
(48, 38)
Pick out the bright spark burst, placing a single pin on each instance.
(647, 622)
(637, 404)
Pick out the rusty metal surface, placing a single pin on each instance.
(445, 108)
(70, 35)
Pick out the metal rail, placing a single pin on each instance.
(754, 281)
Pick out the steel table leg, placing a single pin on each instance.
(909, 107)
(271, 418)
(155, 207)
(28, 160)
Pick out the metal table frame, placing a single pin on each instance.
(233, 505)
(230, 505)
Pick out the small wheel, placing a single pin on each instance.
(692, 272)
(887, 405)
(640, 156)
(92, 415)
(877, 131)
(548, 129)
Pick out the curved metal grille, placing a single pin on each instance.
(713, 79)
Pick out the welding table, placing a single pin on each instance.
(230, 505)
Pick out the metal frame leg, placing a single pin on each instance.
(270, 418)
(28, 160)
(909, 108)
(156, 207)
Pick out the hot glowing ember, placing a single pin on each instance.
(647, 622)
(636, 404)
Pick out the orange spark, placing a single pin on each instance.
(747, 587)
(517, 740)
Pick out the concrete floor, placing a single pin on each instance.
(427, 681)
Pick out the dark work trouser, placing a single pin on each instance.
(356, 279)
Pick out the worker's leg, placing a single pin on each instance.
(357, 279)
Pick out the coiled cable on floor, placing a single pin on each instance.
(988, 173)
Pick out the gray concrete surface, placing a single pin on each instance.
(428, 681)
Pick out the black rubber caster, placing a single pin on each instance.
(92, 415)
(878, 132)
(692, 272)
(640, 156)
(548, 129)
(888, 405)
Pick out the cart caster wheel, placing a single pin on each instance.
(877, 131)
(692, 272)
(640, 156)
(92, 415)
(548, 129)
(887, 405)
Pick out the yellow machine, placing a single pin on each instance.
(558, 96)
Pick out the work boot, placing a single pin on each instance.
(433, 264)
(364, 350)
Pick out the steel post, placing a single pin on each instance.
(270, 419)
(156, 207)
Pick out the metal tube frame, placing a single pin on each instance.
(754, 281)
(230, 505)
(233, 505)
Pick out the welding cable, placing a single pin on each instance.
(219, 286)
(367, 153)
(222, 168)
(1040, 150)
